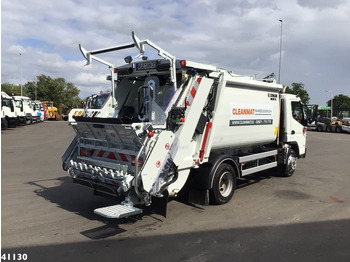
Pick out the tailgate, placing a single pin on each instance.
(107, 145)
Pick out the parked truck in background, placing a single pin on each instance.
(324, 124)
(27, 108)
(9, 117)
(51, 110)
(38, 110)
(346, 124)
(179, 123)
(97, 105)
(20, 110)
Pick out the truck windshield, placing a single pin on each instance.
(18, 103)
(98, 101)
(145, 98)
(26, 102)
(6, 102)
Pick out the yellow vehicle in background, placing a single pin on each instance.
(51, 111)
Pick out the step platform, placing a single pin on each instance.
(117, 211)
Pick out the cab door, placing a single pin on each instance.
(295, 122)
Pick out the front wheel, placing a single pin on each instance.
(224, 184)
(288, 169)
(29, 120)
(4, 124)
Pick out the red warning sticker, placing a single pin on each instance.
(167, 146)
(158, 164)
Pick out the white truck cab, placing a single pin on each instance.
(9, 116)
(20, 111)
(38, 111)
(27, 108)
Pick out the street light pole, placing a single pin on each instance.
(328, 91)
(279, 68)
(21, 74)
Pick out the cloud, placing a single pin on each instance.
(320, 4)
(239, 35)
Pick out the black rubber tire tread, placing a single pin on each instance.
(224, 174)
(287, 170)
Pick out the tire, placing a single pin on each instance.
(13, 123)
(289, 168)
(328, 128)
(319, 128)
(224, 184)
(29, 121)
(4, 124)
(338, 129)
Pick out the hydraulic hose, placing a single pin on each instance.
(175, 176)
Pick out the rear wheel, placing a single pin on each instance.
(338, 129)
(319, 128)
(329, 129)
(224, 184)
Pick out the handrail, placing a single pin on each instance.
(140, 45)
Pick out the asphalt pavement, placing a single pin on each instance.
(46, 217)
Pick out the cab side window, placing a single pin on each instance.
(297, 111)
(6, 102)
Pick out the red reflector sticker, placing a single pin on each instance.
(84, 152)
(112, 156)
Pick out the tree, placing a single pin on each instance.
(12, 89)
(57, 90)
(341, 105)
(298, 90)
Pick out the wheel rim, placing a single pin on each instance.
(225, 184)
(292, 163)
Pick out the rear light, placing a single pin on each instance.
(182, 63)
(304, 130)
(115, 70)
(84, 152)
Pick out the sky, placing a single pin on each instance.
(42, 37)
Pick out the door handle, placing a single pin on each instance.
(293, 132)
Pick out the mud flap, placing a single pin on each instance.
(198, 196)
(159, 204)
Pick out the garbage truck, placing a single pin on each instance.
(182, 124)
